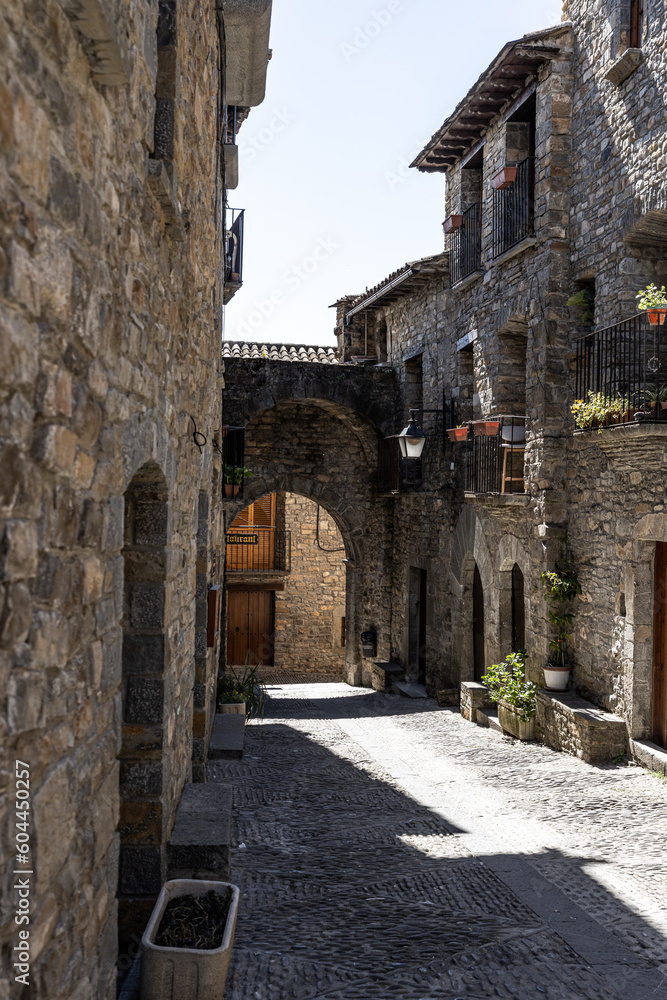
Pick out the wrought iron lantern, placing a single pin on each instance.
(412, 438)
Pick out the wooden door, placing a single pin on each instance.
(660, 646)
(250, 627)
(478, 626)
(417, 625)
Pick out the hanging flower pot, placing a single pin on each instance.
(504, 177)
(457, 434)
(486, 428)
(452, 222)
(656, 317)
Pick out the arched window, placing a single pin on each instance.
(518, 610)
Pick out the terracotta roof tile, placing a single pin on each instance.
(280, 352)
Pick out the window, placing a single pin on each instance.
(513, 201)
(636, 23)
(465, 242)
(414, 392)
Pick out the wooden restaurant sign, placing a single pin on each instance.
(236, 538)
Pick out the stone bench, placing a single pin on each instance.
(474, 696)
(383, 675)
(200, 841)
(564, 721)
(227, 737)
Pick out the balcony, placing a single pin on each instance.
(513, 209)
(622, 372)
(464, 246)
(258, 549)
(233, 253)
(395, 473)
(494, 455)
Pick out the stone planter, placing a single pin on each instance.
(508, 717)
(180, 973)
(556, 678)
(457, 434)
(486, 428)
(232, 708)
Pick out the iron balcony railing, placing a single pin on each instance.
(623, 368)
(465, 246)
(395, 473)
(258, 549)
(495, 449)
(234, 229)
(513, 214)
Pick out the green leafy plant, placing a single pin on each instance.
(655, 394)
(507, 682)
(233, 475)
(652, 297)
(234, 688)
(560, 587)
(597, 408)
(585, 298)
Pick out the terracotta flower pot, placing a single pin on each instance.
(556, 678)
(486, 428)
(656, 317)
(231, 490)
(457, 434)
(504, 177)
(452, 222)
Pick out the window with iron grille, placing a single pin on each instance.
(233, 463)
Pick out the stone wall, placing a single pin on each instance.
(310, 611)
(105, 217)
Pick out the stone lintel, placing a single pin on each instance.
(623, 66)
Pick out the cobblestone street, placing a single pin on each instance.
(386, 848)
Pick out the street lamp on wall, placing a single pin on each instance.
(412, 439)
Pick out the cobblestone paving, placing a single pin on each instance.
(376, 844)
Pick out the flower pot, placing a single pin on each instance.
(656, 316)
(231, 489)
(509, 719)
(503, 179)
(556, 678)
(452, 222)
(175, 973)
(486, 428)
(232, 708)
(457, 434)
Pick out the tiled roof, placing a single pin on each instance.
(411, 276)
(280, 352)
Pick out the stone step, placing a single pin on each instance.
(488, 717)
(409, 690)
(200, 841)
(384, 674)
(227, 737)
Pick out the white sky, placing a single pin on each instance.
(354, 90)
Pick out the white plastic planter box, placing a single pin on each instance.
(186, 973)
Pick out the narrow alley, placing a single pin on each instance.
(385, 848)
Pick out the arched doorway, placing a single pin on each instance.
(478, 637)
(518, 610)
(142, 809)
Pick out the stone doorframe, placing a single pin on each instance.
(639, 583)
(470, 548)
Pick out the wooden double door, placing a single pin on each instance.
(250, 627)
(660, 646)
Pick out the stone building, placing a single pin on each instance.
(554, 165)
(117, 147)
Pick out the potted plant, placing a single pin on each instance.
(242, 693)
(655, 397)
(458, 434)
(516, 697)
(653, 301)
(585, 298)
(503, 178)
(232, 477)
(187, 945)
(486, 428)
(561, 586)
(598, 410)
